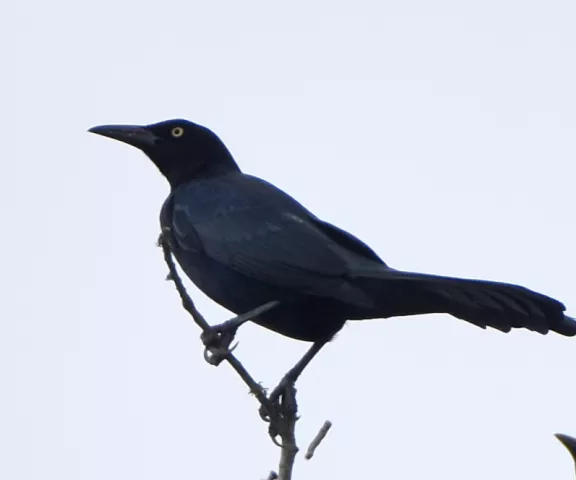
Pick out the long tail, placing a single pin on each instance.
(485, 304)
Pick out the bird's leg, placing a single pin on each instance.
(295, 372)
(288, 381)
(218, 338)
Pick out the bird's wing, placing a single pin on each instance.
(270, 239)
(347, 242)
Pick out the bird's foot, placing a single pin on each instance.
(283, 406)
(278, 395)
(282, 400)
(218, 338)
(217, 341)
(282, 391)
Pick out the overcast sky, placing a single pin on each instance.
(443, 133)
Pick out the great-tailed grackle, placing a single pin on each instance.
(245, 243)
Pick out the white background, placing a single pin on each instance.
(440, 132)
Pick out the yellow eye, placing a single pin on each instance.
(177, 132)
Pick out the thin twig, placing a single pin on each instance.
(188, 304)
(282, 420)
(318, 439)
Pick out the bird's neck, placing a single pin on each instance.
(215, 164)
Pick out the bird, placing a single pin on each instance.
(246, 243)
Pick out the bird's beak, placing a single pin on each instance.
(134, 135)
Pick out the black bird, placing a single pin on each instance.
(245, 243)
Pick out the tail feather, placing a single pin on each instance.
(501, 306)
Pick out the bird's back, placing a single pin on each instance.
(239, 228)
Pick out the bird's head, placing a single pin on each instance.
(182, 150)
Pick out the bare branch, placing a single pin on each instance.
(289, 447)
(255, 388)
(318, 439)
(281, 411)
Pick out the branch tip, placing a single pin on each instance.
(318, 439)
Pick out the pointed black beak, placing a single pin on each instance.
(134, 135)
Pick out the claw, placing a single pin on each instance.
(276, 398)
(282, 400)
(218, 338)
(273, 436)
(215, 356)
(217, 342)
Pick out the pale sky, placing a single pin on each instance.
(441, 133)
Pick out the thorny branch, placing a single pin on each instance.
(282, 417)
